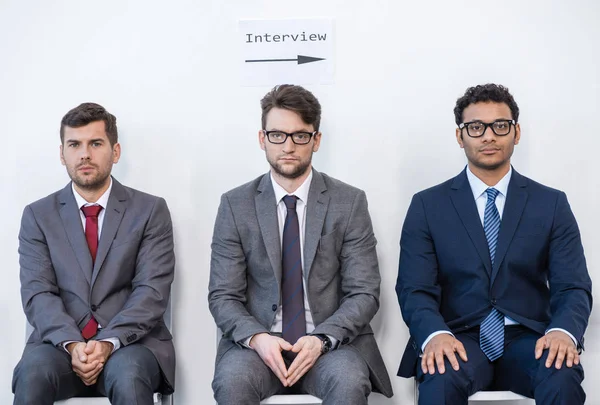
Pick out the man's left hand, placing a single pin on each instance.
(560, 346)
(309, 350)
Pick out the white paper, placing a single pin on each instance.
(271, 50)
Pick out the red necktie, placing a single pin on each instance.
(91, 235)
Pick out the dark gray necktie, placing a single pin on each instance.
(292, 291)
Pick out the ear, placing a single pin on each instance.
(62, 157)
(459, 138)
(517, 133)
(261, 139)
(116, 152)
(316, 141)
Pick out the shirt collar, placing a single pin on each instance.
(301, 192)
(102, 201)
(478, 187)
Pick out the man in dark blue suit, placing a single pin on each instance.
(492, 281)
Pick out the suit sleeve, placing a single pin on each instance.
(360, 279)
(151, 284)
(570, 284)
(40, 295)
(417, 287)
(228, 279)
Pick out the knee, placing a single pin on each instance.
(565, 379)
(452, 383)
(36, 371)
(347, 376)
(123, 368)
(243, 378)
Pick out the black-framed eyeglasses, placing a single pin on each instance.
(476, 129)
(279, 137)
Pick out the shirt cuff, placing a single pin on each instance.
(65, 344)
(115, 341)
(434, 334)
(334, 342)
(564, 331)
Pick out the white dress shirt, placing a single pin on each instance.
(103, 202)
(479, 188)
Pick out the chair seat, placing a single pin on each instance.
(291, 399)
(496, 396)
(158, 399)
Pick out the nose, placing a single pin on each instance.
(488, 134)
(85, 153)
(289, 145)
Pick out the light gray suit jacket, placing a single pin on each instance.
(127, 290)
(340, 267)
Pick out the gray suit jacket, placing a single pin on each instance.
(127, 290)
(340, 267)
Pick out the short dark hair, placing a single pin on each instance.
(293, 98)
(485, 93)
(87, 113)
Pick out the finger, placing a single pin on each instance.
(430, 365)
(449, 352)
(552, 350)
(279, 364)
(439, 360)
(539, 347)
(284, 344)
(560, 356)
(424, 363)
(297, 363)
(460, 349)
(570, 357)
(576, 359)
(301, 373)
(90, 346)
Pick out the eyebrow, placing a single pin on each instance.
(90, 141)
(299, 130)
(497, 119)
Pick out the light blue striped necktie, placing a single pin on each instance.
(491, 331)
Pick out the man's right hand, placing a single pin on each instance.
(439, 346)
(87, 372)
(269, 349)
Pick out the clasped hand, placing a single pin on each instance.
(88, 359)
(269, 349)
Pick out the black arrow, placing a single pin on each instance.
(301, 60)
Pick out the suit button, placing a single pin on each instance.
(493, 301)
(345, 340)
(274, 307)
(94, 308)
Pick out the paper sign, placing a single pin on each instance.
(286, 51)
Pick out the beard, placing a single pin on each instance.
(290, 172)
(89, 182)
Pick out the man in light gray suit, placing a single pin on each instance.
(97, 265)
(294, 279)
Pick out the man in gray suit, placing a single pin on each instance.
(97, 265)
(294, 279)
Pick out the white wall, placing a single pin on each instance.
(168, 71)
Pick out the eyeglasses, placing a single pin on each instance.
(476, 129)
(279, 137)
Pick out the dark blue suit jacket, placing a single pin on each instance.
(446, 280)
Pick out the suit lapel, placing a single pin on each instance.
(266, 212)
(71, 219)
(464, 203)
(516, 199)
(112, 219)
(316, 209)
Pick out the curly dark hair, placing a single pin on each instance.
(293, 98)
(484, 93)
(87, 113)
